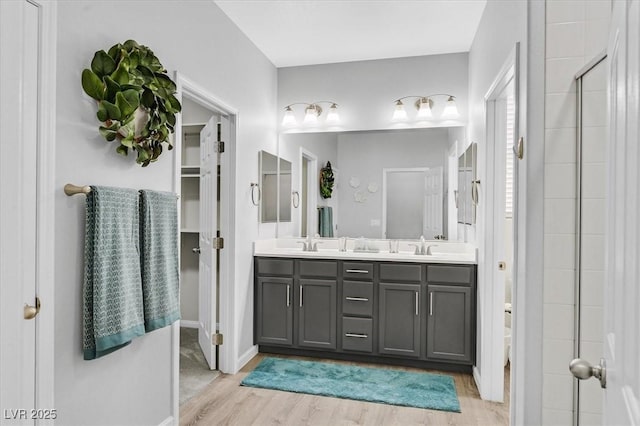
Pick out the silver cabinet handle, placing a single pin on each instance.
(301, 295)
(196, 250)
(431, 304)
(359, 336)
(417, 311)
(288, 295)
(357, 299)
(357, 271)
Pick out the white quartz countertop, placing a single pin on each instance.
(442, 251)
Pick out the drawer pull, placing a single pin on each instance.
(357, 299)
(357, 271)
(359, 336)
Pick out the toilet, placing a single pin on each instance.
(507, 333)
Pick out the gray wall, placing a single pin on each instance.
(133, 386)
(364, 155)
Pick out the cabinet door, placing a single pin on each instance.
(399, 322)
(318, 312)
(274, 311)
(449, 323)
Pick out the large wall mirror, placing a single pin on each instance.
(387, 184)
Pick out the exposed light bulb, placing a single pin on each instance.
(311, 115)
(399, 114)
(424, 108)
(450, 109)
(289, 119)
(333, 116)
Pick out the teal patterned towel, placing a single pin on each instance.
(325, 224)
(112, 291)
(159, 258)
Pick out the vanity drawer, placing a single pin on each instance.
(450, 274)
(267, 266)
(357, 270)
(357, 334)
(400, 272)
(357, 298)
(318, 268)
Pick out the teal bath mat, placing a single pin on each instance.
(387, 386)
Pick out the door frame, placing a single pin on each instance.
(489, 374)
(227, 357)
(385, 171)
(312, 191)
(45, 202)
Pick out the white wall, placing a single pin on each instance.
(364, 154)
(576, 31)
(503, 24)
(133, 386)
(366, 90)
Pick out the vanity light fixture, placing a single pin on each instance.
(312, 112)
(424, 105)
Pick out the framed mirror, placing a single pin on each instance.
(268, 165)
(388, 183)
(275, 179)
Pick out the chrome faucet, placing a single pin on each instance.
(309, 244)
(422, 248)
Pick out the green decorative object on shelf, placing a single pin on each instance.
(326, 181)
(136, 99)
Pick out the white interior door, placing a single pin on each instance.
(404, 203)
(19, 86)
(207, 282)
(622, 269)
(433, 196)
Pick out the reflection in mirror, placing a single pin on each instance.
(388, 183)
(269, 185)
(284, 215)
(467, 186)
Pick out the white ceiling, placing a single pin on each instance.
(302, 32)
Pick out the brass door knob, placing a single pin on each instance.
(30, 312)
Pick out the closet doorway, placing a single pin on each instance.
(205, 142)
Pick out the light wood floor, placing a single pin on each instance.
(225, 402)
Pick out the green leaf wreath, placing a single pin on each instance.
(326, 181)
(136, 99)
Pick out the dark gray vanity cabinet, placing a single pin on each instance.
(274, 301)
(274, 311)
(357, 307)
(399, 319)
(418, 314)
(317, 314)
(451, 313)
(400, 309)
(296, 303)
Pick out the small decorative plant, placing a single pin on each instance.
(326, 181)
(136, 102)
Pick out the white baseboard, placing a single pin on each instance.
(478, 380)
(246, 357)
(189, 324)
(169, 421)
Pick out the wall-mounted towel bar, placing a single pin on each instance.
(71, 189)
